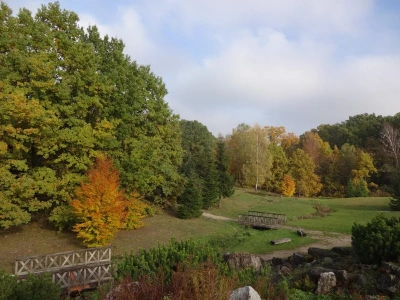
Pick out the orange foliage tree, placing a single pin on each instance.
(288, 186)
(100, 206)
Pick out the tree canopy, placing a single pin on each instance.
(68, 95)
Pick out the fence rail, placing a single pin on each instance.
(57, 261)
(281, 217)
(258, 221)
(72, 270)
(85, 277)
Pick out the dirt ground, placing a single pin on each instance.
(325, 240)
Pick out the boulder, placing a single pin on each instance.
(391, 268)
(315, 273)
(245, 293)
(387, 283)
(285, 270)
(297, 259)
(321, 253)
(240, 261)
(327, 262)
(325, 283)
(276, 261)
(344, 251)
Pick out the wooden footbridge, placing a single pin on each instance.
(71, 270)
(262, 220)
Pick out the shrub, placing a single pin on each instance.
(180, 255)
(34, 287)
(357, 188)
(7, 285)
(167, 257)
(377, 241)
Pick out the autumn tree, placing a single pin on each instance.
(136, 210)
(257, 165)
(100, 206)
(288, 186)
(278, 169)
(302, 170)
(237, 149)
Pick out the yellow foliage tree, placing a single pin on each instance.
(136, 211)
(288, 186)
(100, 205)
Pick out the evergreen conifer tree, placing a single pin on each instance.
(395, 193)
(226, 181)
(210, 190)
(191, 200)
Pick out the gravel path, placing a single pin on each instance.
(325, 240)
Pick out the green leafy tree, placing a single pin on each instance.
(147, 146)
(68, 95)
(357, 188)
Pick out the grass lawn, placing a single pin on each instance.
(346, 210)
(38, 238)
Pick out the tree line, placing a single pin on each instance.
(353, 158)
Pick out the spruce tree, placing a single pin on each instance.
(191, 200)
(395, 193)
(210, 190)
(226, 181)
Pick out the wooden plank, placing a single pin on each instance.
(281, 241)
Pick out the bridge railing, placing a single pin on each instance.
(72, 270)
(258, 221)
(281, 217)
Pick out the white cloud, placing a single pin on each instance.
(268, 79)
(336, 15)
(277, 62)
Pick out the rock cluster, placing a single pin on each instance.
(337, 270)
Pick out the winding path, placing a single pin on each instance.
(326, 240)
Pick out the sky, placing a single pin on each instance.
(292, 63)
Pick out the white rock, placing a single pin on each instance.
(245, 293)
(325, 283)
